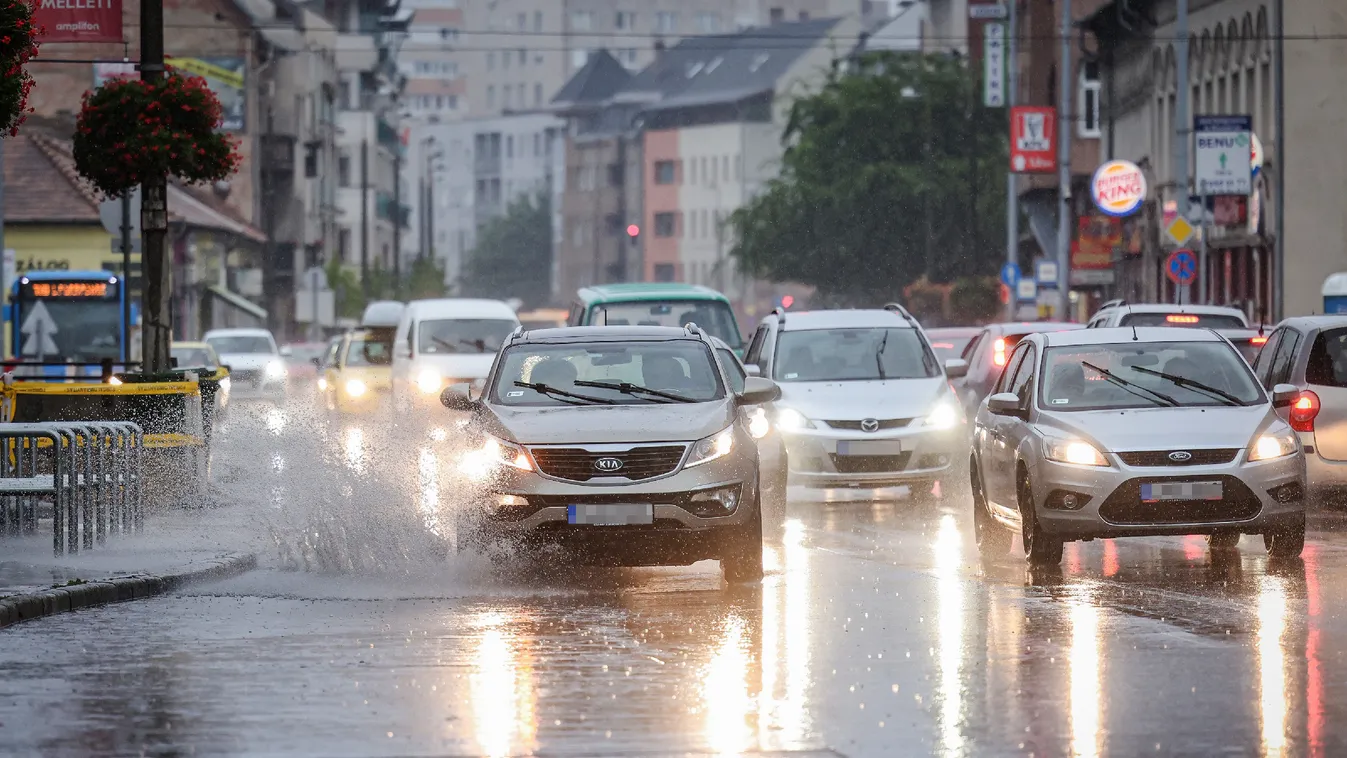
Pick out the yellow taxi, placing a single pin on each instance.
(357, 372)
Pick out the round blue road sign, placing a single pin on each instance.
(1010, 275)
(1181, 266)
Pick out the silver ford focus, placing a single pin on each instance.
(1122, 432)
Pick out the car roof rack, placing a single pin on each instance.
(901, 311)
(1113, 304)
(516, 334)
(692, 328)
(780, 314)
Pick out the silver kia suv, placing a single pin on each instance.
(621, 445)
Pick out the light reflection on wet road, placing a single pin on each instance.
(876, 632)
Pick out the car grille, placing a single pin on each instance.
(1160, 458)
(869, 464)
(251, 376)
(884, 423)
(576, 464)
(1124, 506)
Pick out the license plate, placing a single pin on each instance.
(611, 514)
(869, 447)
(1153, 493)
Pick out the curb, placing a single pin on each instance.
(135, 587)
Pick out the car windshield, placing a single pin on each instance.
(851, 355)
(713, 316)
(1145, 375)
(369, 351)
(193, 356)
(240, 344)
(463, 335)
(678, 367)
(1201, 320)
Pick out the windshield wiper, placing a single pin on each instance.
(630, 389)
(879, 355)
(1186, 383)
(562, 394)
(1126, 385)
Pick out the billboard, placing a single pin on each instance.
(224, 76)
(78, 20)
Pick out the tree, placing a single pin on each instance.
(425, 279)
(513, 255)
(891, 172)
(346, 290)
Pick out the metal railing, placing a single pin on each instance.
(89, 472)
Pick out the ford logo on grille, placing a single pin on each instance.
(1180, 456)
(870, 425)
(608, 463)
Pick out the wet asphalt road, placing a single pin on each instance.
(877, 632)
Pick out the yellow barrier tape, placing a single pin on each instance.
(202, 68)
(149, 388)
(163, 441)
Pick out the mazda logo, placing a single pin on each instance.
(1179, 456)
(870, 425)
(608, 463)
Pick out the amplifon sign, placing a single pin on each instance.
(78, 20)
(1118, 188)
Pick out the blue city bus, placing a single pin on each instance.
(73, 317)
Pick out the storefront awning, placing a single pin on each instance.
(238, 301)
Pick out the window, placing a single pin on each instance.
(1088, 101)
(537, 142)
(804, 15)
(1022, 385)
(664, 172)
(537, 21)
(523, 56)
(582, 21)
(1262, 366)
(343, 244)
(692, 171)
(1145, 375)
(625, 20)
(725, 168)
(853, 355)
(708, 23)
(777, 15)
(664, 272)
(509, 146)
(666, 22)
(537, 94)
(344, 171)
(504, 59)
(490, 60)
(1327, 365)
(521, 22)
(664, 224)
(758, 60)
(1285, 358)
(491, 96)
(753, 355)
(578, 58)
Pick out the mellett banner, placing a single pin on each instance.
(78, 20)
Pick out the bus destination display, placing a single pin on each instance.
(74, 289)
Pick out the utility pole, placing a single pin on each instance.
(397, 223)
(1064, 167)
(1279, 104)
(1182, 119)
(364, 217)
(157, 317)
(1012, 181)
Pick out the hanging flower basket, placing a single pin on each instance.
(129, 131)
(18, 45)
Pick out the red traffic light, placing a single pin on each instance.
(787, 301)
(633, 230)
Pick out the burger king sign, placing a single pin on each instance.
(1118, 188)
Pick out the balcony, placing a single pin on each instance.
(388, 137)
(278, 155)
(386, 210)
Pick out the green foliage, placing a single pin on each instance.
(871, 159)
(513, 256)
(425, 279)
(975, 300)
(345, 284)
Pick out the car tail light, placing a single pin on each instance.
(999, 351)
(1179, 318)
(1303, 411)
(1260, 341)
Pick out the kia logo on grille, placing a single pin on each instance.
(608, 463)
(1179, 456)
(870, 425)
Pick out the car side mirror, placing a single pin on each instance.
(402, 351)
(1005, 404)
(287, 351)
(956, 368)
(458, 397)
(758, 391)
(752, 369)
(226, 367)
(1284, 394)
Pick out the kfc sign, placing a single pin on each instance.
(1033, 140)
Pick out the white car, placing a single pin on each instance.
(443, 342)
(1123, 313)
(254, 361)
(865, 403)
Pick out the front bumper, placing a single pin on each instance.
(676, 536)
(926, 454)
(1256, 497)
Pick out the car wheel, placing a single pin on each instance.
(1223, 540)
(993, 540)
(741, 559)
(1040, 549)
(1286, 542)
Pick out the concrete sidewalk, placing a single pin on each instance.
(176, 547)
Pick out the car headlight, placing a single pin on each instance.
(1074, 451)
(494, 453)
(711, 448)
(322, 382)
(275, 370)
(758, 425)
(355, 388)
(1274, 445)
(945, 415)
(791, 419)
(429, 381)
(224, 383)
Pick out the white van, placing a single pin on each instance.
(444, 342)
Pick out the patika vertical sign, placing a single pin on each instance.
(78, 20)
(224, 76)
